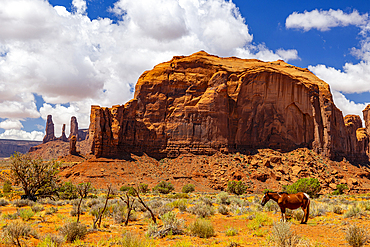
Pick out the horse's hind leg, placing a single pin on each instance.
(304, 214)
(283, 216)
(307, 211)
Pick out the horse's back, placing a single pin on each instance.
(294, 201)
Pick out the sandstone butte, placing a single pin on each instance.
(202, 104)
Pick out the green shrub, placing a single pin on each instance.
(164, 187)
(202, 228)
(67, 191)
(311, 186)
(236, 187)
(26, 214)
(178, 196)
(260, 219)
(340, 189)
(231, 232)
(73, 231)
(143, 188)
(7, 187)
(181, 204)
(187, 188)
(129, 189)
(356, 236)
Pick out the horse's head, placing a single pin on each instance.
(265, 199)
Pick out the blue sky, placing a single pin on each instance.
(61, 56)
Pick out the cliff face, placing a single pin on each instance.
(203, 104)
(8, 147)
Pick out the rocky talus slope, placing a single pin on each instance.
(266, 169)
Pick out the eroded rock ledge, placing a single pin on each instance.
(203, 104)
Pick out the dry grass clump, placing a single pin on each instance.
(51, 240)
(16, 232)
(37, 208)
(9, 216)
(223, 198)
(202, 228)
(337, 209)
(283, 236)
(258, 220)
(181, 204)
(353, 211)
(201, 210)
(3, 202)
(318, 209)
(22, 203)
(272, 206)
(130, 240)
(73, 231)
(51, 210)
(222, 209)
(356, 236)
(171, 226)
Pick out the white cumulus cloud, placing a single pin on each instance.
(69, 59)
(15, 134)
(352, 78)
(11, 124)
(323, 20)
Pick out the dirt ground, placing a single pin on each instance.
(324, 228)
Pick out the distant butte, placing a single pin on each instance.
(203, 104)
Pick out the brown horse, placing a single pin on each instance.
(291, 201)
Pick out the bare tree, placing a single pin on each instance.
(137, 194)
(83, 190)
(129, 205)
(36, 176)
(100, 213)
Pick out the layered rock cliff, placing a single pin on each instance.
(203, 104)
(8, 147)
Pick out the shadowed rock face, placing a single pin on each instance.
(63, 136)
(203, 104)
